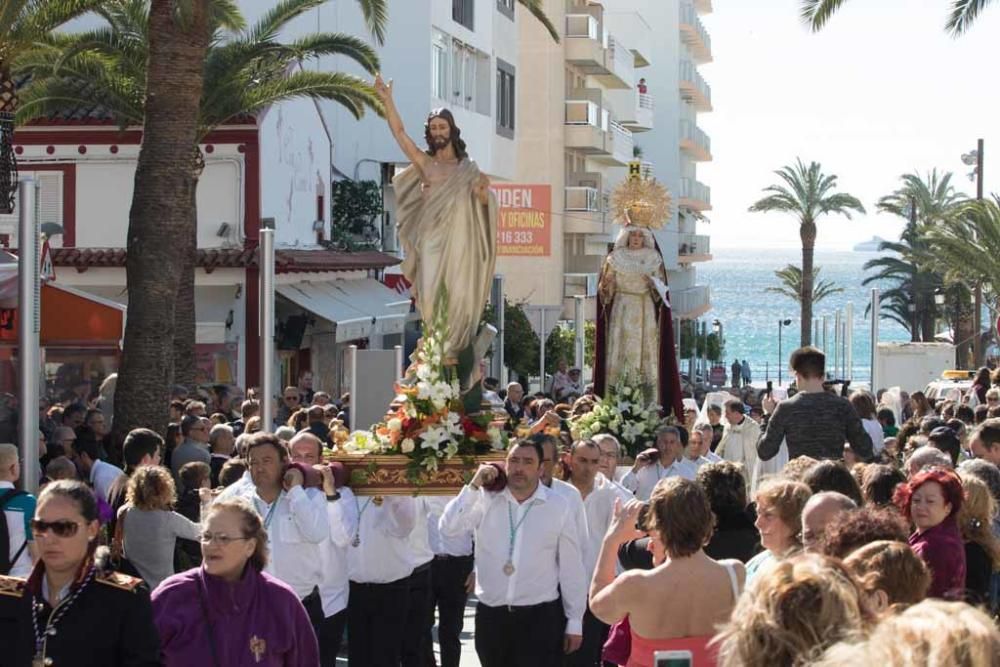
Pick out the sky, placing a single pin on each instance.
(881, 91)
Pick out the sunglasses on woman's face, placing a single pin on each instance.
(61, 528)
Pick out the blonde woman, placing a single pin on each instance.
(791, 613)
(982, 549)
(932, 633)
(779, 519)
(150, 527)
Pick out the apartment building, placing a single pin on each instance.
(617, 89)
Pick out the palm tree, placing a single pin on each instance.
(244, 73)
(963, 13)
(924, 202)
(807, 193)
(791, 284)
(24, 23)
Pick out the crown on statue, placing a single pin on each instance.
(643, 202)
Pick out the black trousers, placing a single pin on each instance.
(414, 639)
(448, 598)
(314, 608)
(331, 635)
(520, 636)
(595, 633)
(376, 618)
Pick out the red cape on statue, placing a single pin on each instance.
(669, 379)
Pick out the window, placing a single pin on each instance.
(48, 202)
(506, 7)
(462, 12)
(505, 99)
(439, 66)
(463, 75)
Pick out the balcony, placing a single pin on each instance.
(695, 142)
(619, 63)
(690, 303)
(693, 87)
(618, 146)
(637, 31)
(693, 248)
(694, 195)
(584, 214)
(693, 33)
(586, 45)
(584, 127)
(703, 6)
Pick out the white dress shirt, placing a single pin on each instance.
(547, 554)
(420, 552)
(297, 527)
(102, 476)
(698, 462)
(382, 554)
(572, 495)
(445, 545)
(713, 457)
(642, 483)
(599, 506)
(343, 517)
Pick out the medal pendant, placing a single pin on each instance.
(508, 568)
(356, 542)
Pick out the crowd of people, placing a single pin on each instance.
(826, 529)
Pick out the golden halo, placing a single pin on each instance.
(645, 200)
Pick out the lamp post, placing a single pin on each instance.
(975, 159)
(781, 325)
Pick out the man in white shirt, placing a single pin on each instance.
(693, 450)
(342, 516)
(550, 452)
(451, 581)
(650, 469)
(707, 433)
(420, 614)
(611, 453)
(295, 519)
(100, 474)
(599, 496)
(19, 509)
(739, 440)
(528, 551)
(380, 563)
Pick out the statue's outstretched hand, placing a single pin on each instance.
(383, 89)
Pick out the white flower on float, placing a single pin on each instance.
(433, 437)
(407, 446)
(395, 424)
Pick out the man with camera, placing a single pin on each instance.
(666, 460)
(528, 551)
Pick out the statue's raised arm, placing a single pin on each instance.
(410, 149)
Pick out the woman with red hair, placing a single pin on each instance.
(931, 500)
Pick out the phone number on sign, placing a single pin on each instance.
(517, 237)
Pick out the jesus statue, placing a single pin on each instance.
(447, 223)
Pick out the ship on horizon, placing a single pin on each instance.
(870, 246)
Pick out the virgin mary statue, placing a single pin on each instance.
(635, 333)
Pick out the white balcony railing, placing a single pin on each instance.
(580, 198)
(646, 102)
(689, 245)
(581, 26)
(582, 112)
(694, 31)
(694, 87)
(621, 61)
(624, 143)
(698, 194)
(691, 133)
(690, 302)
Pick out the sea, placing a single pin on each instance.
(749, 315)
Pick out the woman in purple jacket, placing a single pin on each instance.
(931, 500)
(228, 612)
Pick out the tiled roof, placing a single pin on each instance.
(286, 260)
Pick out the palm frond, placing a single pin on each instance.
(963, 14)
(536, 9)
(815, 13)
(376, 13)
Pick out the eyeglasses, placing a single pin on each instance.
(221, 538)
(61, 528)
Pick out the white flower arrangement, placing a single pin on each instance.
(622, 413)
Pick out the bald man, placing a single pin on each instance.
(818, 512)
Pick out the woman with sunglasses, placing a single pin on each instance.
(70, 611)
(228, 611)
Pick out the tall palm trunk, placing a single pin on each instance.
(160, 217)
(8, 163)
(184, 310)
(807, 232)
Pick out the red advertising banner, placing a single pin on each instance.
(524, 228)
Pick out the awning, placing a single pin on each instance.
(71, 318)
(359, 308)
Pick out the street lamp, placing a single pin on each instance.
(781, 325)
(975, 158)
